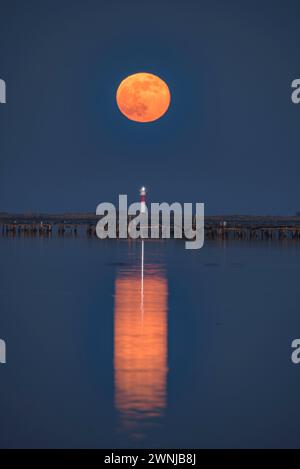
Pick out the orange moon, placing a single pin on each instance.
(143, 97)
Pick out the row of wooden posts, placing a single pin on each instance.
(212, 231)
(253, 232)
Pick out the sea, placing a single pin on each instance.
(145, 344)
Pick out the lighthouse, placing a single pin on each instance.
(143, 199)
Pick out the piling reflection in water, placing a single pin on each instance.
(140, 347)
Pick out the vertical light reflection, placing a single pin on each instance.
(140, 346)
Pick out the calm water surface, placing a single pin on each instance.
(123, 344)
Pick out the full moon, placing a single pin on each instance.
(143, 97)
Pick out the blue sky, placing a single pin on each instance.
(229, 139)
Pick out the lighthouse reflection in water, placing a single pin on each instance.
(140, 346)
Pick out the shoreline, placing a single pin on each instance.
(226, 227)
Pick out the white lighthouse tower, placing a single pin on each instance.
(143, 199)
